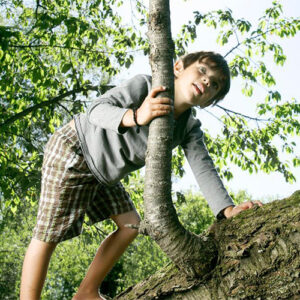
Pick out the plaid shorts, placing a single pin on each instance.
(70, 191)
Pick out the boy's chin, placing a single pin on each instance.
(205, 105)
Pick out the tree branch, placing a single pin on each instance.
(242, 115)
(67, 110)
(37, 8)
(65, 47)
(46, 103)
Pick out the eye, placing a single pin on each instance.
(202, 70)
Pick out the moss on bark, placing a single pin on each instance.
(258, 258)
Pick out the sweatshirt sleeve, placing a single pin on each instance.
(204, 171)
(108, 110)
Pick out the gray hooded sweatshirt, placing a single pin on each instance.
(112, 152)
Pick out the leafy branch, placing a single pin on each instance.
(73, 48)
(239, 43)
(47, 103)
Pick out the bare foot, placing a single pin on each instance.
(86, 297)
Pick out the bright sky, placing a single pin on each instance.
(259, 185)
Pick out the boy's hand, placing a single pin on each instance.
(153, 107)
(231, 211)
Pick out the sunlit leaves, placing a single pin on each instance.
(186, 35)
(274, 11)
(254, 42)
(48, 48)
(177, 162)
(254, 149)
(251, 146)
(243, 25)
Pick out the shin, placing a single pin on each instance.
(35, 268)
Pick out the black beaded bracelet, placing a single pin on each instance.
(135, 120)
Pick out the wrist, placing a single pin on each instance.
(227, 211)
(135, 110)
(127, 120)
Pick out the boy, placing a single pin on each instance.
(85, 160)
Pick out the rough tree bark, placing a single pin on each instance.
(194, 255)
(258, 259)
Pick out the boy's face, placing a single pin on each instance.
(196, 85)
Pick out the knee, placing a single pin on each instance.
(131, 228)
(129, 225)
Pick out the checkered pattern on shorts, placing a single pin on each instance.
(69, 191)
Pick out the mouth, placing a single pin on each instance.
(198, 88)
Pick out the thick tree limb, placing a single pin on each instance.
(259, 258)
(181, 246)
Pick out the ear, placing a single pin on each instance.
(178, 68)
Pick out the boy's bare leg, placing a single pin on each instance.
(35, 268)
(107, 255)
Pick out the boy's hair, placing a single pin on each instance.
(217, 62)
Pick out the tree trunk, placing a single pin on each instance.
(258, 259)
(161, 221)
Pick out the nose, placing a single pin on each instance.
(206, 80)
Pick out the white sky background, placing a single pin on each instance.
(259, 185)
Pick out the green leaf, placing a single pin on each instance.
(66, 67)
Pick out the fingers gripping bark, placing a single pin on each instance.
(154, 106)
(243, 206)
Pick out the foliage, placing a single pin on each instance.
(52, 53)
(193, 212)
(55, 55)
(248, 141)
